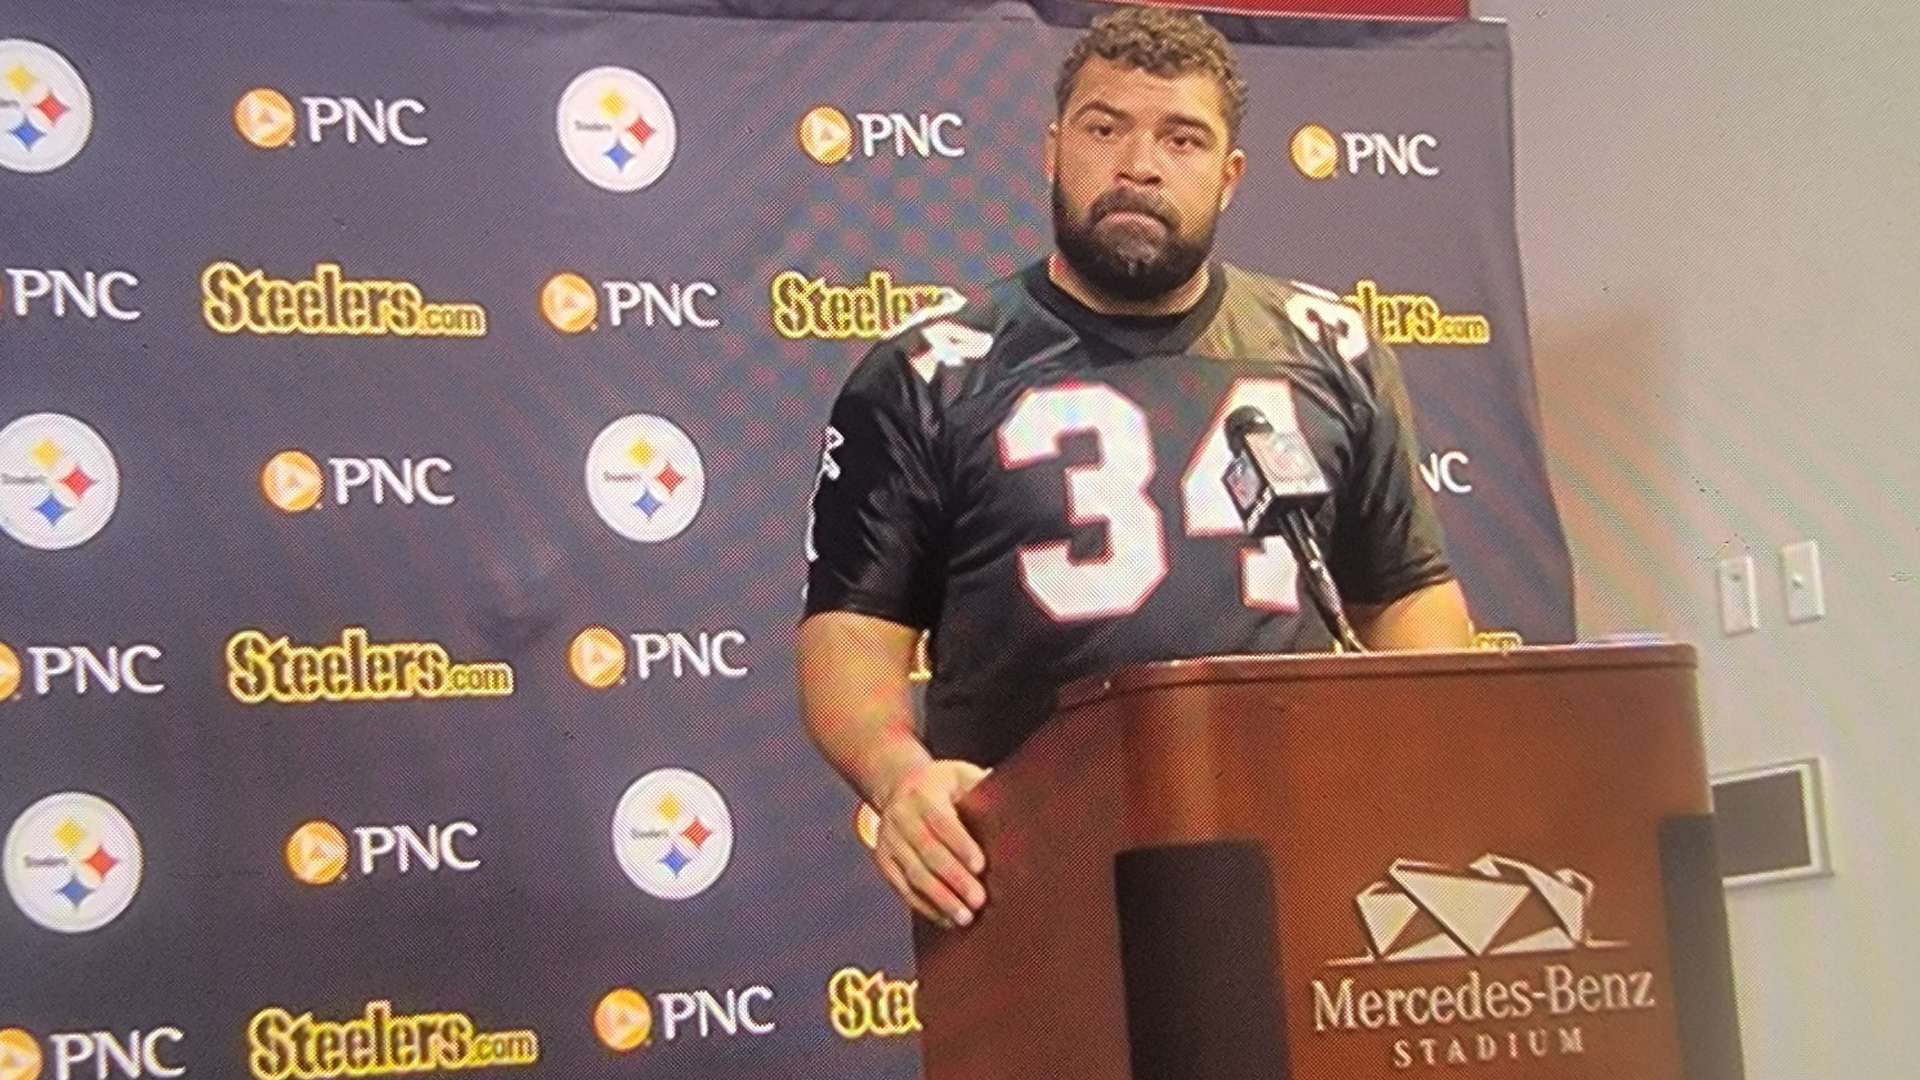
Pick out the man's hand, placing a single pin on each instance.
(924, 851)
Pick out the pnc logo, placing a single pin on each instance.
(1320, 154)
(59, 482)
(19, 1055)
(9, 677)
(828, 136)
(617, 129)
(46, 111)
(293, 481)
(80, 669)
(319, 853)
(623, 1021)
(598, 657)
(104, 1054)
(316, 853)
(72, 862)
(571, 304)
(91, 294)
(264, 117)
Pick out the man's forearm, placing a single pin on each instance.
(856, 700)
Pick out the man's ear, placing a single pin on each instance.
(1050, 152)
(1231, 170)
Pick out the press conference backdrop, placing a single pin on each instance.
(407, 416)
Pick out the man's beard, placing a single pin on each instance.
(1129, 262)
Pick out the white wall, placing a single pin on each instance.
(1720, 223)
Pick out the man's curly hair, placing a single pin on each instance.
(1161, 42)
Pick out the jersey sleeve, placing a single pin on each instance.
(873, 533)
(1387, 538)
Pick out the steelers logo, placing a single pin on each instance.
(46, 110)
(617, 129)
(317, 853)
(568, 303)
(826, 135)
(644, 478)
(623, 1021)
(291, 481)
(264, 117)
(1316, 152)
(597, 657)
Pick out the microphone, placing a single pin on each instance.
(1274, 480)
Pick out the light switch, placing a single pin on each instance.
(1800, 571)
(1739, 600)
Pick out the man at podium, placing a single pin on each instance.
(1034, 475)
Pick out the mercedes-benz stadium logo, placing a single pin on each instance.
(1497, 907)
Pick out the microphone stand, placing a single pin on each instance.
(1298, 532)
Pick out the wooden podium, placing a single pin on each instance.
(1476, 864)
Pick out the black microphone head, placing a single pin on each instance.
(1243, 422)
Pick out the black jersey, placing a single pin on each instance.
(1040, 486)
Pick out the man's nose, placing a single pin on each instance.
(1139, 159)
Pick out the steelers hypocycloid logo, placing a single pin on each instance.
(568, 303)
(645, 478)
(673, 834)
(617, 129)
(46, 111)
(1315, 151)
(19, 1055)
(316, 853)
(623, 1020)
(59, 482)
(826, 135)
(72, 862)
(264, 117)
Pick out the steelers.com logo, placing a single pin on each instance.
(673, 834)
(617, 129)
(72, 862)
(1315, 151)
(58, 481)
(19, 1055)
(645, 478)
(623, 1021)
(46, 112)
(826, 135)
